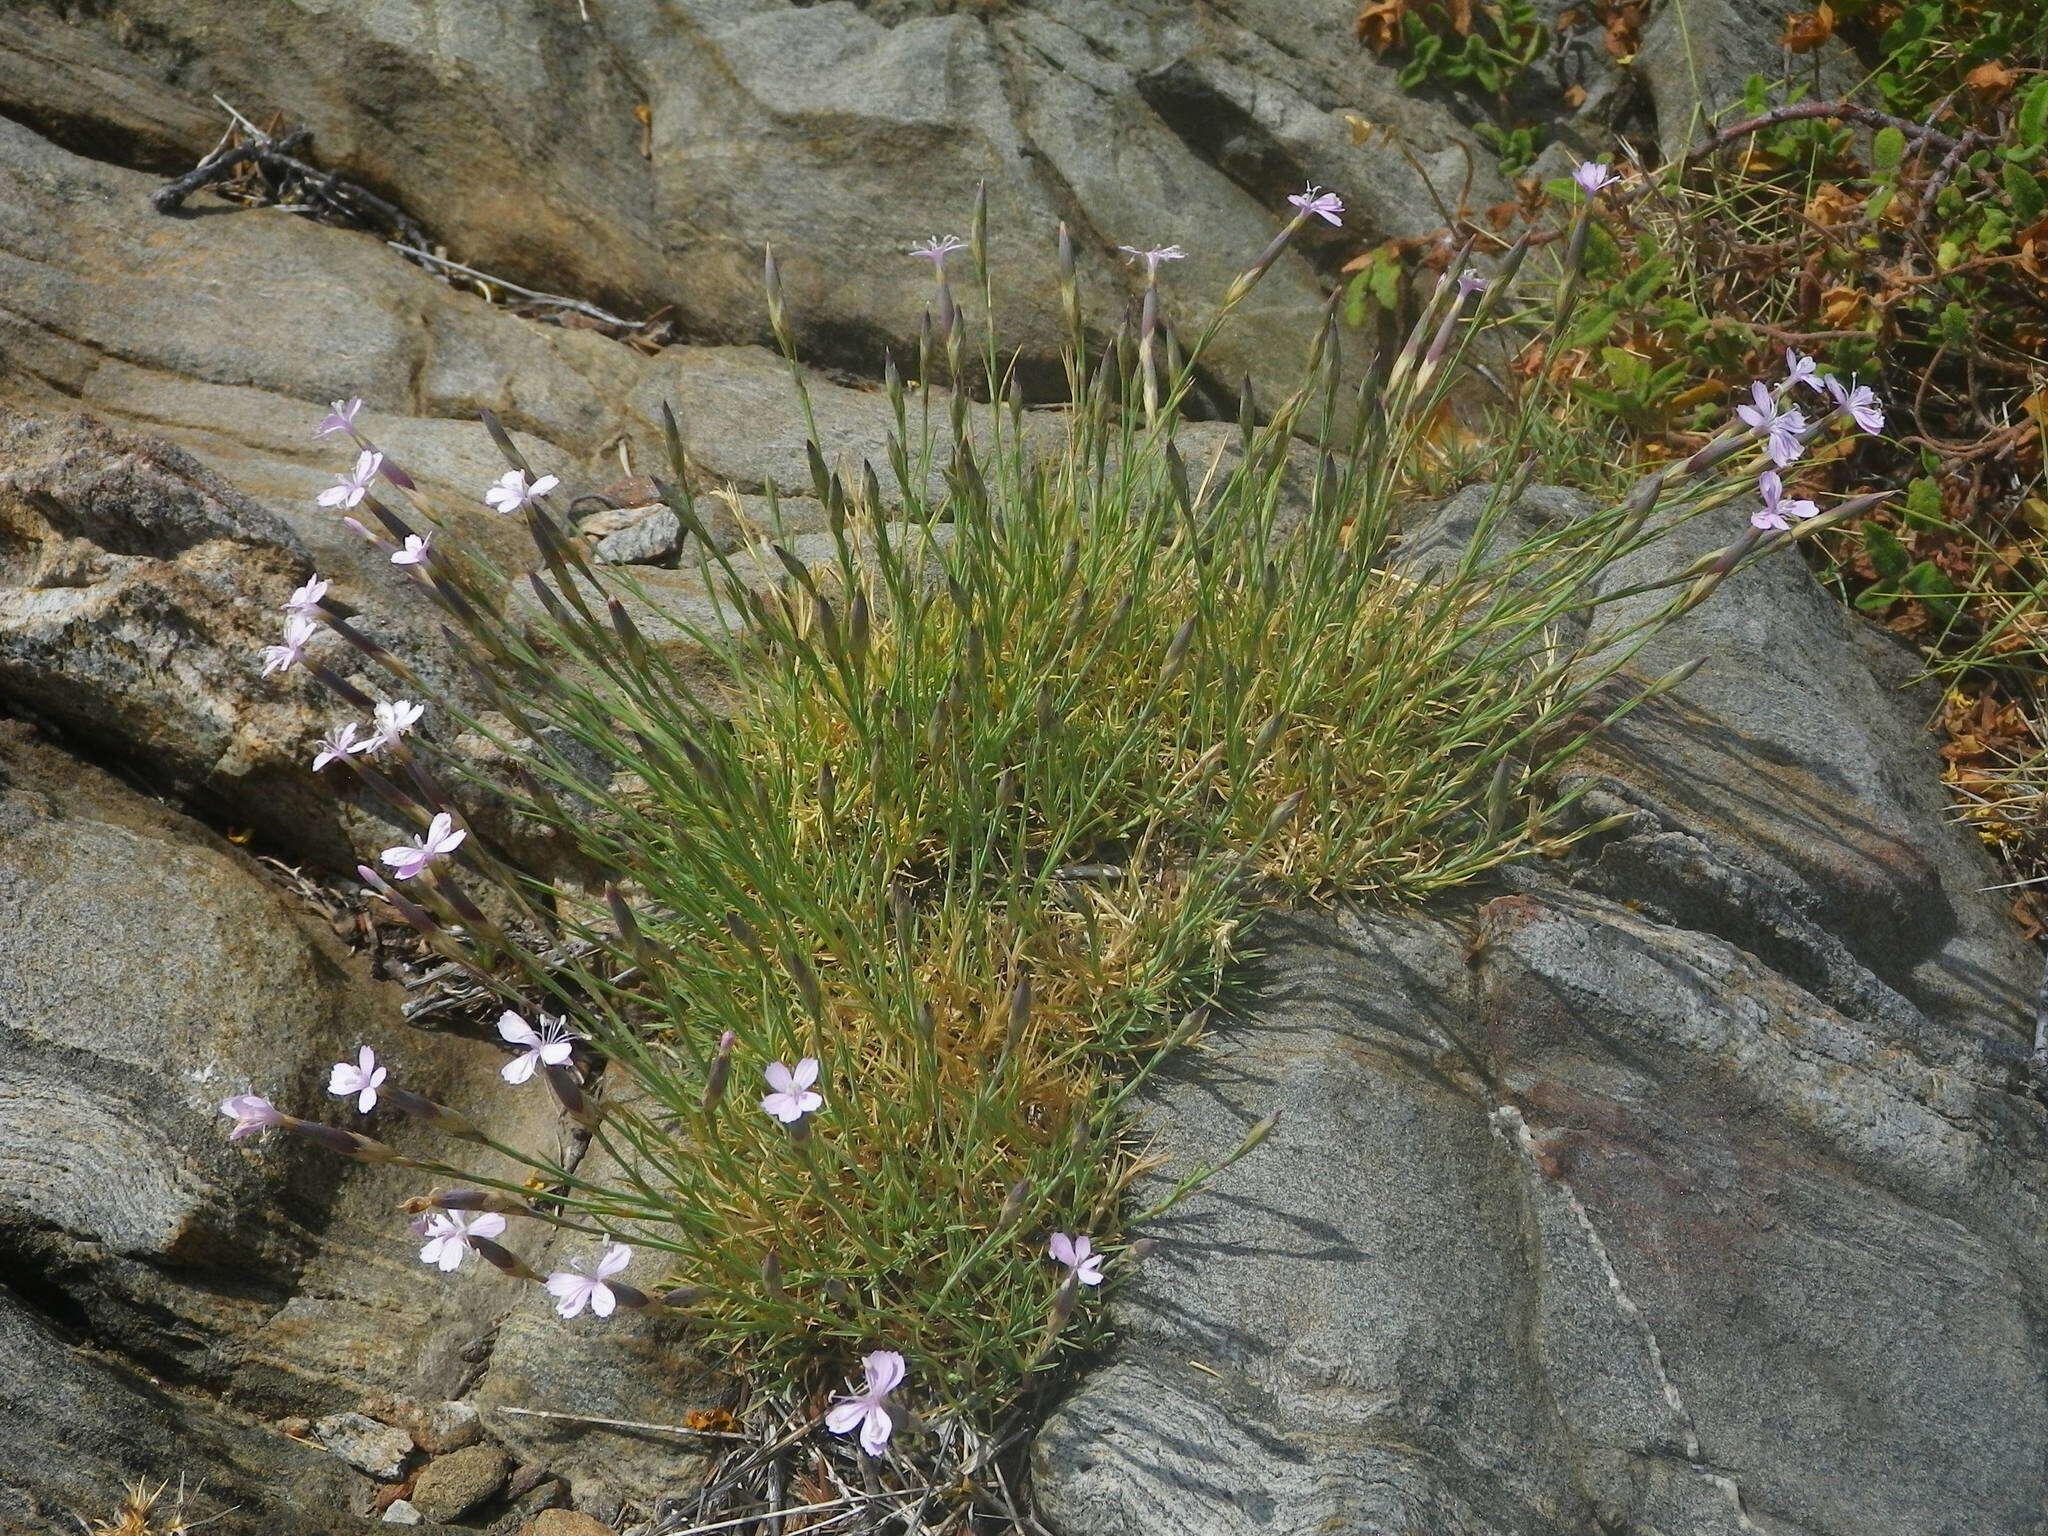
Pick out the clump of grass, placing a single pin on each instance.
(148, 1511)
(981, 803)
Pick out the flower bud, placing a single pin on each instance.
(439, 1116)
(568, 1091)
(466, 1200)
(364, 1149)
(504, 1259)
(721, 1069)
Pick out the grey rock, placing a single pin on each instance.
(139, 593)
(1535, 1246)
(401, 1512)
(1137, 123)
(1697, 57)
(147, 971)
(438, 1428)
(77, 1428)
(526, 1505)
(450, 1486)
(1532, 1251)
(1791, 755)
(565, 1522)
(376, 1450)
(655, 539)
(629, 1366)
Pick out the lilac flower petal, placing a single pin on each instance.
(846, 1416)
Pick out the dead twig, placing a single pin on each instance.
(278, 158)
(633, 1424)
(530, 295)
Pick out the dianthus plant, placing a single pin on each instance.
(858, 941)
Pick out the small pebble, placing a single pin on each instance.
(564, 1522)
(401, 1513)
(438, 1428)
(376, 1449)
(450, 1486)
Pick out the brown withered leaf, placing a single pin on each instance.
(1622, 22)
(1807, 30)
(1378, 23)
(1841, 308)
(1991, 81)
(1830, 204)
(1575, 96)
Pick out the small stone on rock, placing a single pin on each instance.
(438, 1428)
(401, 1513)
(377, 1449)
(655, 538)
(564, 1522)
(451, 1486)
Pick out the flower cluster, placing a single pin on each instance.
(1785, 430)
(457, 1223)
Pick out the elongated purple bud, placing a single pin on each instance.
(1020, 1015)
(568, 1091)
(1013, 1205)
(466, 1200)
(743, 931)
(439, 1116)
(806, 980)
(721, 1069)
(364, 1149)
(1249, 278)
(1063, 1304)
(415, 914)
(628, 1295)
(504, 1259)
(340, 686)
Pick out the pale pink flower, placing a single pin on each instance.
(306, 599)
(573, 1289)
(441, 838)
(395, 721)
(1859, 400)
(416, 550)
(1801, 369)
(937, 249)
(792, 1098)
(350, 489)
(362, 1077)
(298, 633)
(1470, 282)
(1324, 205)
(1078, 1254)
(336, 745)
(251, 1113)
(1154, 256)
(513, 491)
(1594, 177)
(548, 1046)
(1777, 511)
(869, 1411)
(1780, 429)
(448, 1234)
(341, 418)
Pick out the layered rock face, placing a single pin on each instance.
(1686, 1186)
(1690, 1187)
